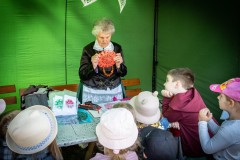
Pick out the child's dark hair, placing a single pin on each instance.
(125, 105)
(185, 75)
(5, 119)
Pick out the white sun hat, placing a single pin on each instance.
(117, 129)
(32, 130)
(146, 107)
(2, 106)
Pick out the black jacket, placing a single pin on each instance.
(98, 80)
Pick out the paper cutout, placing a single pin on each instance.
(121, 3)
(57, 105)
(69, 105)
(106, 59)
(88, 2)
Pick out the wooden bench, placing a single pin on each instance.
(70, 87)
(129, 84)
(7, 92)
(131, 87)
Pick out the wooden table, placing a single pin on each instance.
(72, 134)
(78, 133)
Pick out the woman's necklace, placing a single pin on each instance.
(108, 74)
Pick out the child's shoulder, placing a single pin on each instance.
(100, 156)
(234, 124)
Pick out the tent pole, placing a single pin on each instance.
(65, 42)
(155, 44)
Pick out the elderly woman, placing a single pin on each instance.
(101, 66)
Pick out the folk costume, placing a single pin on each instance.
(103, 83)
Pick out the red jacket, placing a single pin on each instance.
(184, 108)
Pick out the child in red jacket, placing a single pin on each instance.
(181, 103)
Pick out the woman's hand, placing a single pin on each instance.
(118, 60)
(204, 115)
(166, 93)
(94, 60)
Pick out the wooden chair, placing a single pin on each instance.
(129, 84)
(7, 91)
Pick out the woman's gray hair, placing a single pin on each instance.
(103, 25)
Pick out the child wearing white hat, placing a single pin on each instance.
(118, 105)
(6, 118)
(148, 115)
(118, 133)
(32, 133)
(146, 108)
(147, 111)
(2, 106)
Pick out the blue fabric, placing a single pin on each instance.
(164, 124)
(224, 115)
(5, 152)
(43, 155)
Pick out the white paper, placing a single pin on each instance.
(122, 4)
(69, 105)
(57, 105)
(88, 2)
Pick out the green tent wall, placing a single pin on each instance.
(201, 35)
(41, 41)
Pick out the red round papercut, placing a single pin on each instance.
(106, 59)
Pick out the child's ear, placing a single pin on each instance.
(231, 102)
(178, 84)
(144, 155)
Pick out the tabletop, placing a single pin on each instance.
(77, 133)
